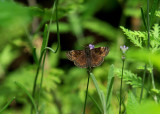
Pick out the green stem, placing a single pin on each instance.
(144, 74)
(36, 77)
(41, 80)
(120, 103)
(58, 36)
(42, 53)
(148, 24)
(86, 92)
(148, 45)
(153, 84)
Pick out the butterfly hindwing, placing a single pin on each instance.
(78, 57)
(97, 55)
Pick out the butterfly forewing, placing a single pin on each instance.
(97, 55)
(78, 57)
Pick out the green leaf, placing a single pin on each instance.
(103, 102)
(44, 43)
(133, 12)
(132, 103)
(136, 37)
(35, 56)
(129, 77)
(29, 95)
(157, 13)
(143, 18)
(7, 105)
(63, 27)
(110, 86)
(101, 28)
(12, 12)
(153, 10)
(100, 94)
(97, 105)
(147, 107)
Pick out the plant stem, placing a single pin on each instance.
(144, 74)
(148, 24)
(41, 79)
(148, 45)
(153, 84)
(121, 87)
(86, 92)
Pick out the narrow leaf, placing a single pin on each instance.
(97, 88)
(97, 105)
(143, 18)
(29, 95)
(103, 102)
(7, 105)
(153, 9)
(44, 43)
(110, 86)
(35, 56)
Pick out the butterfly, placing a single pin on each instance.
(89, 57)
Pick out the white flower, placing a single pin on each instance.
(124, 48)
(91, 46)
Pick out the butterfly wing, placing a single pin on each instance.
(78, 57)
(97, 55)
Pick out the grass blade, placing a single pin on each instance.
(45, 41)
(97, 105)
(103, 102)
(43, 52)
(143, 18)
(97, 88)
(35, 56)
(110, 86)
(29, 95)
(7, 105)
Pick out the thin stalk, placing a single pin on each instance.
(86, 92)
(148, 24)
(153, 84)
(120, 103)
(41, 82)
(36, 77)
(144, 75)
(42, 53)
(152, 76)
(38, 68)
(148, 45)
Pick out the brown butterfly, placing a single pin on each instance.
(90, 57)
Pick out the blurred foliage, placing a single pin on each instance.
(130, 78)
(82, 22)
(139, 38)
(146, 107)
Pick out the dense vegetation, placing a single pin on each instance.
(37, 77)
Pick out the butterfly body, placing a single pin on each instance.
(89, 57)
